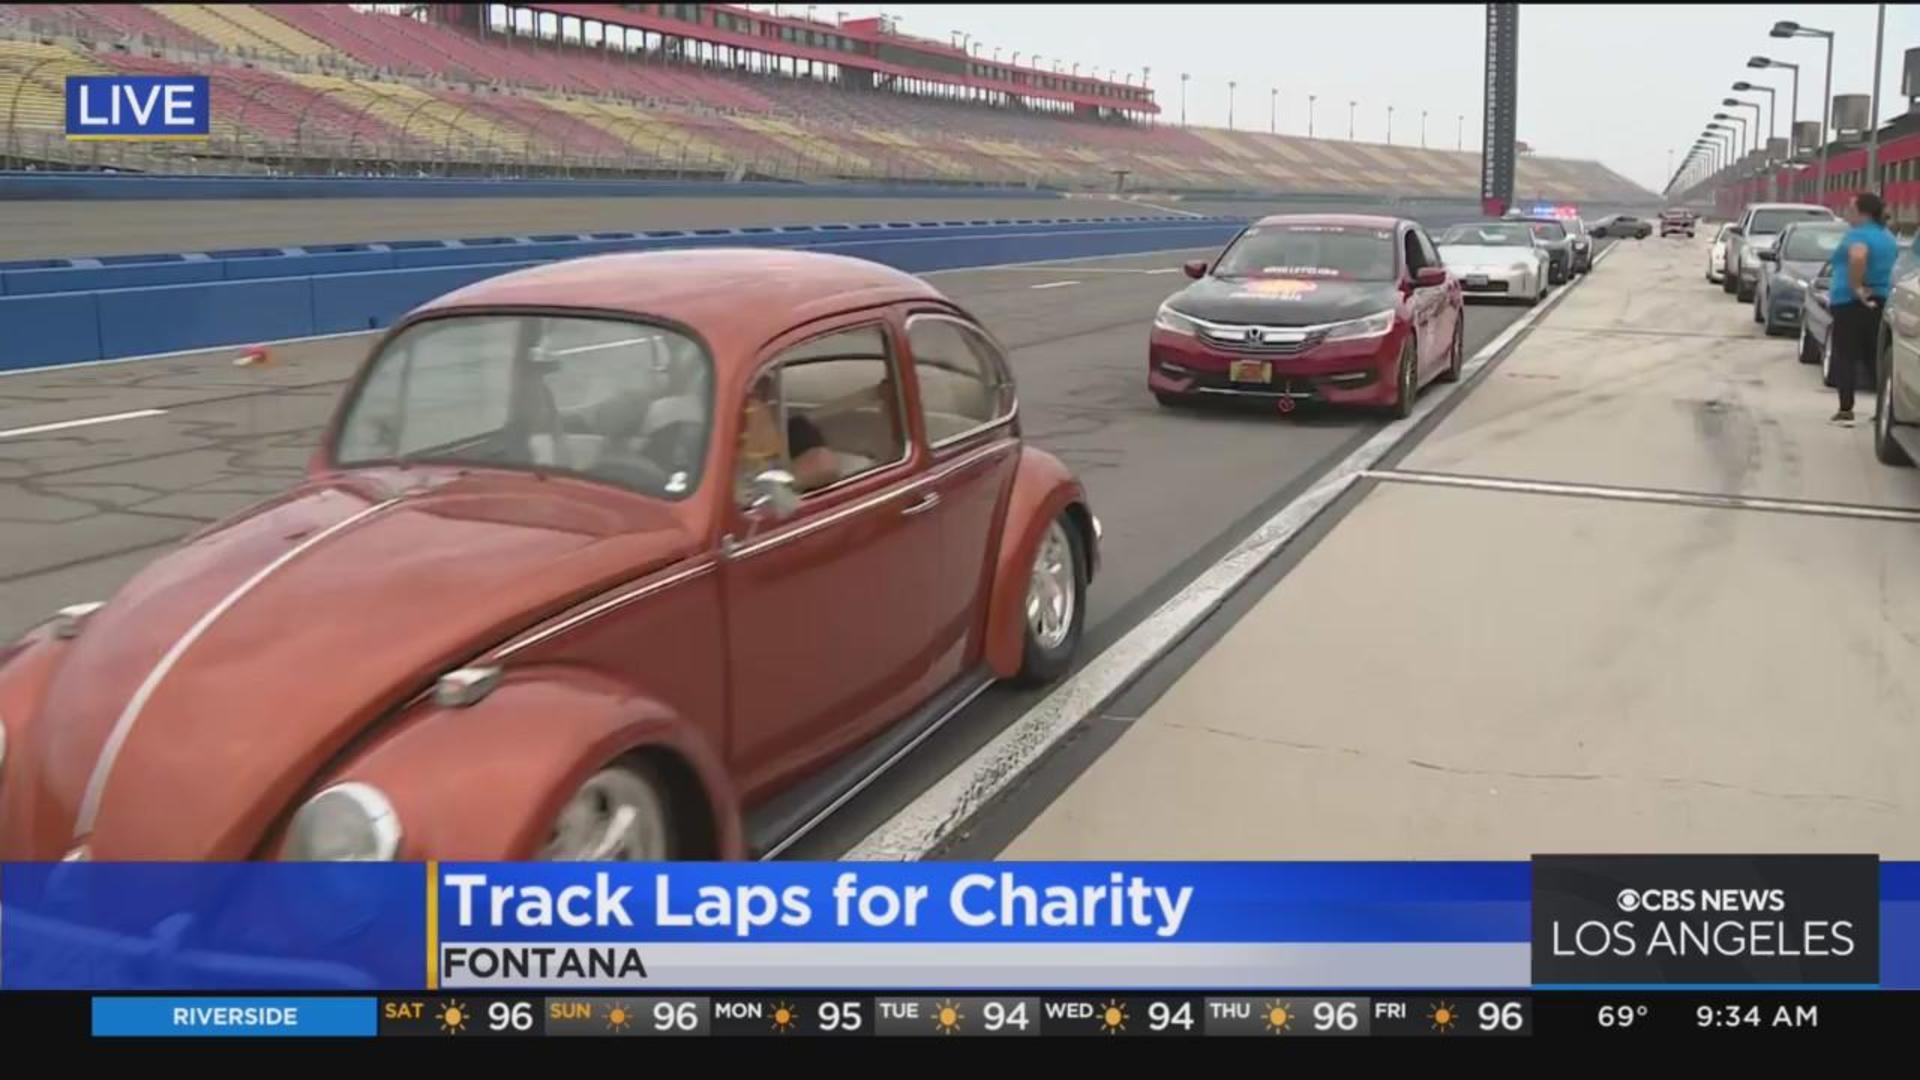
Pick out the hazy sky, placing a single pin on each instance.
(1621, 83)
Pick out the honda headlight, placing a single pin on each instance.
(1521, 267)
(1749, 259)
(1173, 322)
(345, 823)
(1372, 326)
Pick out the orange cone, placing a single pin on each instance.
(255, 356)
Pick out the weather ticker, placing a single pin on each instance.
(1613, 947)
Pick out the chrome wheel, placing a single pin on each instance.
(1051, 589)
(617, 815)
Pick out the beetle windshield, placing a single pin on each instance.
(623, 402)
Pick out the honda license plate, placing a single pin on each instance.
(1252, 371)
(1476, 279)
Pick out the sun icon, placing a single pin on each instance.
(619, 1017)
(1443, 1017)
(1113, 1017)
(1279, 1016)
(947, 1017)
(453, 1018)
(783, 1017)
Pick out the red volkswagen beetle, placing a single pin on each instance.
(1338, 308)
(638, 556)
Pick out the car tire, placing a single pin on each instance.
(1456, 358)
(1757, 316)
(1809, 352)
(1406, 380)
(1728, 282)
(1885, 448)
(1743, 295)
(1055, 611)
(621, 813)
(1826, 358)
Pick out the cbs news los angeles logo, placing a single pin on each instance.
(139, 107)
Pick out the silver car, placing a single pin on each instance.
(1787, 270)
(1755, 232)
(1496, 258)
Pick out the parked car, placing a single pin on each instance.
(1344, 309)
(1759, 226)
(1500, 259)
(1558, 244)
(1787, 269)
(1816, 325)
(1717, 254)
(1676, 222)
(595, 561)
(1621, 226)
(1896, 441)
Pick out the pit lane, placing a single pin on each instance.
(82, 508)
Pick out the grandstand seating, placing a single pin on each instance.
(423, 91)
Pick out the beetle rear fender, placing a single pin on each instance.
(485, 782)
(1043, 489)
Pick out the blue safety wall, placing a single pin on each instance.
(133, 307)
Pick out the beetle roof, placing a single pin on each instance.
(736, 298)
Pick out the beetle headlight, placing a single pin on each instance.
(1372, 326)
(1173, 322)
(350, 822)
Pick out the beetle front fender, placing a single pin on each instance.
(485, 782)
(1043, 489)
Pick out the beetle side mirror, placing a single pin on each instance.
(774, 494)
(1195, 268)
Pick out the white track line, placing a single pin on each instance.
(1650, 495)
(1165, 209)
(89, 421)
(187, 352)
(923, 824)
(1053, 285)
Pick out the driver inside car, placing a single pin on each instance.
(803, 451)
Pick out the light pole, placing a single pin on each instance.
(1311, 98)
(1758, 143)
(1273, 111)
(1787, 29)
(1231, 86)
(1423, 129)
(1460, 133)
(1183, 99)
(1351, 106)
(1389, 125)
(1773, 112)
(1760, 63)
(1873, 102)
(1741, 146)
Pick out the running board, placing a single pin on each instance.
(781, 821)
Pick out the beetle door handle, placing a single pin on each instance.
(927, 502)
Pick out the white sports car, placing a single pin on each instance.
(1496, 258)
(1717, 255)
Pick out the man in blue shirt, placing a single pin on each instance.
(1862, 281)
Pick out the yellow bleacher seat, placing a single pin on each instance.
(267, 28)
(418, 115)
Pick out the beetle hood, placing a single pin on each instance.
(199, 703)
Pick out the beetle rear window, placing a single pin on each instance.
(623, 402)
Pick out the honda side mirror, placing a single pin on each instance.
(1770, 256)
(1430, 275)
(1196, 268)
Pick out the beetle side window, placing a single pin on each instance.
(964, 383)
(827, 410)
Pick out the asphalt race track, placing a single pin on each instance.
(83, 508)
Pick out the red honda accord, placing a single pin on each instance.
(1340, 308)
